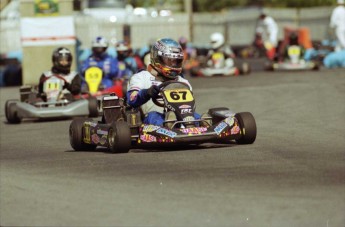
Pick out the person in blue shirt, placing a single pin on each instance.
(127, 63)
(100, 58)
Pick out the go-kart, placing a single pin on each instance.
(217, 65)
(122, 128)
(294, 61)
(54, 104)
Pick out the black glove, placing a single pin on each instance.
(152, 92)
(66, 86)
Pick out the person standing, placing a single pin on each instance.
(268, 28)
(338, 23)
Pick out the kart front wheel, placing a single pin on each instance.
(93, 107)
(247, 126)
(11, 113)
(76, 136)
(119, 137)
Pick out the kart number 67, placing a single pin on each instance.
(181, 95)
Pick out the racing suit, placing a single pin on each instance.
(138, 87)
(228, 55)
(338, 22)
(72, 81)
(108, 64)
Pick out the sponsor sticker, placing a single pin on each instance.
(185, 107)
(235, 130)
(230, 121)
(166, 132)
(197, 130)
(150, 128)
(133, 95)
(148, 138)
(220, 127)
(102, 132)
(103, 139)
(95, 138)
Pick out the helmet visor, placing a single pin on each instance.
(172, 62)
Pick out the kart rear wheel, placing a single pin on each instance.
(11, 112)
(119, 137)
(93, 107)
(247, 126)
(76, 136)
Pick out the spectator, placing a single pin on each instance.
(269, 29)
(338, 23)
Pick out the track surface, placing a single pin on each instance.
(293, 175)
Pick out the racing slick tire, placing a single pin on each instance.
(119, 137)
(76, 136)
(11, 112)
(93, 107)
(247, 126)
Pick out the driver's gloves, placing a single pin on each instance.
(152, 92)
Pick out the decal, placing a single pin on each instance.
(148, 138)
(170, 107)
(133, 95)
(90, 123)
(235, 130)
(103, 139)
(222, 125)
(186, 111)
(166, 132)
(197, 130)
(95, 138)
(230, 121)
(185, 107)
(102, 132)
(189, 118)
(150, 128)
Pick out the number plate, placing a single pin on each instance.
(181, 95)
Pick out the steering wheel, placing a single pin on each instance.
(158, 100)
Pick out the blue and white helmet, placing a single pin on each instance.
(167, 57)
(99, 45)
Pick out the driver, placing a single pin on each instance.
(166, 65)
(62, 61)
(218, 46)
(101, 59)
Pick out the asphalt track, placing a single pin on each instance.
(293, 175)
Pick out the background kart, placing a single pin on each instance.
(294, 61)
(55, 104)
(121, 127)
(219, 67)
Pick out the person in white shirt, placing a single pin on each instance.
(338, 23)
(268, 29)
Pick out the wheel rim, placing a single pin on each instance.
(111, 138)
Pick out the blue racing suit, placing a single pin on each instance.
(108, 64)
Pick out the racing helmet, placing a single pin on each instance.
(217, 40)
(293, 38)
(62, 59)
(123, 50)
(99, 46)
(167, 57)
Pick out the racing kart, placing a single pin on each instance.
(54, 104)
(294, 61)
(122, 127)
(219, 66)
